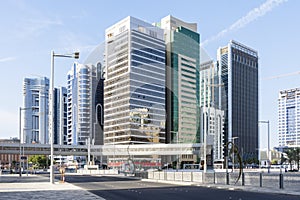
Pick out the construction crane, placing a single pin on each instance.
(283, 75)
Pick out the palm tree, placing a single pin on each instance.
(297, 156)
(291, 156)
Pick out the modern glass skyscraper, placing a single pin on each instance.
(35, 117)
(239, 96)
(99, 106)
(81, 89)
(289, 118)
(134, 86)
(60, 115)
(182, 80)
(96, 57)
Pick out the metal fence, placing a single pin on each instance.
(289, 180)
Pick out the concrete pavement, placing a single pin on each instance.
(38, 187)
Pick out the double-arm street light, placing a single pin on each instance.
(268, 153)
(51, 107)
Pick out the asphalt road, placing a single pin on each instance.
(110, 187)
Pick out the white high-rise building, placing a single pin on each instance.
(289, 118)
(134, 86)
(35, 110)
(81, 88)
(210, 89)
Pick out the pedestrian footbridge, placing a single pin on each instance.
(101, 150)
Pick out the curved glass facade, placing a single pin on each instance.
(82, 82)
(35, 118)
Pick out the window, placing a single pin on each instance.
(122, 29)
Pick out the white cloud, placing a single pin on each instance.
(248, 18)
(7, 59)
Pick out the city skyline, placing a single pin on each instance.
(37, 24)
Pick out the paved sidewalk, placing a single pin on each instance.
(292, 191)
(38, 187)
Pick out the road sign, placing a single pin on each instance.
(23, 158)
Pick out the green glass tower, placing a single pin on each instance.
(182, 80)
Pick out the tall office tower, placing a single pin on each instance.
(99, 106)
(239, 96)
(81, 89)
(209, 84)
(96, 57)
(134, 85)
(60, 115)
(214, 136)
(289, 118)
(35, 105)
(182, 85)
(212, 117)
(182, 80)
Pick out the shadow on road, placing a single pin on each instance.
(88, 178)
(23, 179)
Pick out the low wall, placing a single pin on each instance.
(183, 176)
(97, 172)
(256, 179)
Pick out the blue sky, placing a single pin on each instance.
(30, 29)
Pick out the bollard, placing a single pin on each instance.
(165, 175)
(243, 179)
(227, 178)
(260, 179)
(280, 181)
(214, 177)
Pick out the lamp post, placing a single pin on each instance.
(232, 139)
(51, 109)
(20, 146)
(205, 138)
(177, 142)
(268, 150)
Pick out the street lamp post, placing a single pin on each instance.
(20, 146)
(268, 150)
(51, 109)
(233, 138)
(205, 138)
(177, 142)
(20, 128)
